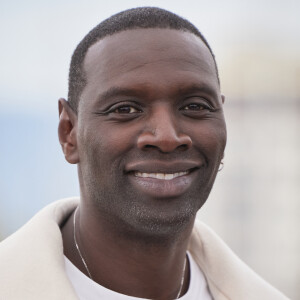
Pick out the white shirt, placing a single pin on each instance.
(88, 289)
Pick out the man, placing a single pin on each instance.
(144, 123)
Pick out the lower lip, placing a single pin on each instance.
(160, 188)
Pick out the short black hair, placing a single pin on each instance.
(140, 17)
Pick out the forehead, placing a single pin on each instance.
(139, 55)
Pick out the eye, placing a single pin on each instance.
(122, 111)
(195, 107)
(126, 109)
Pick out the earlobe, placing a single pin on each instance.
(67, 131)
(223, 99)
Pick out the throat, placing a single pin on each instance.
(127, 265)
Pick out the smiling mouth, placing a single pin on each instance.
(161, 176)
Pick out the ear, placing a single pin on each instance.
(223, 99)
(67, 131)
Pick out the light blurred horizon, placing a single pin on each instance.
(38, 38)
(254, 205)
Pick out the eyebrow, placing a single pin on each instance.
(194, 88)
(116, 91)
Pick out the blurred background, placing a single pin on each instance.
(254, 205)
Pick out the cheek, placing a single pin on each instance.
(116, 143)
(211, 139)
(105, 142)
(219, 138)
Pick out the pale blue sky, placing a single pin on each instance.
(37, 40)
(38, 37)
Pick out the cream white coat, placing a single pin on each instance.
(32, 262)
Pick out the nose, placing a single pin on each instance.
(162, 132)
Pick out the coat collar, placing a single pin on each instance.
(32, 262)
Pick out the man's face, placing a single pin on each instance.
(151, 131)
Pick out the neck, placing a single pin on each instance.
(128, 265)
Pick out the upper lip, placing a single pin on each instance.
(154, 166)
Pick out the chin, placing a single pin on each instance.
(163, 227)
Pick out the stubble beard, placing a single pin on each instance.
(131, 216)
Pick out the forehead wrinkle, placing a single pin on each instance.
(144, 64)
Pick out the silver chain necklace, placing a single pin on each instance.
(182, 279)
(88, 271)
(77, 247)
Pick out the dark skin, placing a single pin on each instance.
(151, 108)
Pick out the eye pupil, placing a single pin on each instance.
(125, 110)
(194, 107)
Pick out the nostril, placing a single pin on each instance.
(164, 141)
(149, 146)
(183, 147)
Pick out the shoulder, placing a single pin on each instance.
(31, 259)
(225, 273)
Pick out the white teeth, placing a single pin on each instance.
(158, 175)
(169, 176)
(163, 176)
